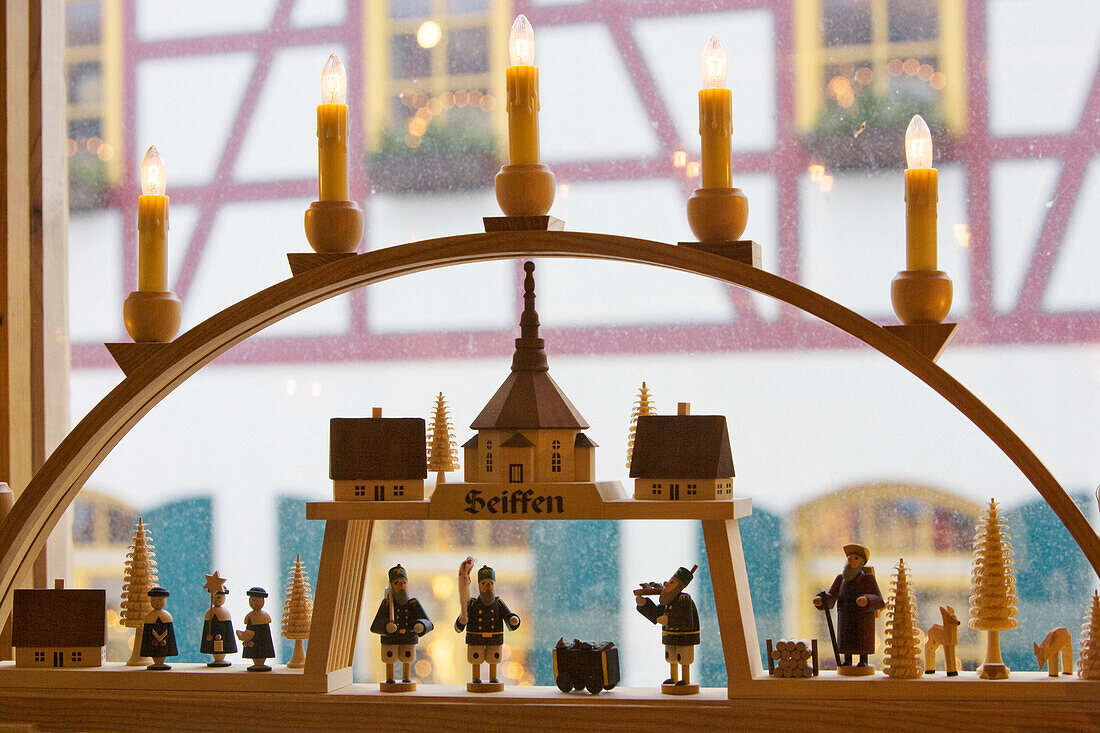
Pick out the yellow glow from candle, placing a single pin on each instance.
(334, 81)
(429, 34)
(521, 42)
(153, 177)
(714, 64)
(918, 143)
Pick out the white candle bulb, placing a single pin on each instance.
(153, 178)
(334, 82)
(714, 64)
(918, 143)
(521, 42)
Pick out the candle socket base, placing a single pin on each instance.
(334, 226)
(921, 296)
(718, 214)
(525, 190)
(152, 316)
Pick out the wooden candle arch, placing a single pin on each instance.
(53, 488)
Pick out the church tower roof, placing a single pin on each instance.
(529, 397)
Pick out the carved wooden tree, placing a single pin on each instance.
(297, 612)
(642, 406)
(992, 589)
(442, 449)
(140, 576)
(1088, 663)
(903, 659)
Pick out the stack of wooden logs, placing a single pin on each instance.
(793, 658)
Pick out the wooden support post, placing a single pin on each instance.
(732, 601)
(339, 596)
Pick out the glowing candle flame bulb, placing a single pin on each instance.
(152, 173)
(714, 64)
(918, 143)
(521, 42)
(334, 81)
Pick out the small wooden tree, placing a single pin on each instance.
(1088, 663)
(903, 659)
(642, 406)
(140, 576)
(992, 589)
(297, 612)
(442, 449)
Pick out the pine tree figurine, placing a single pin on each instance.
(1088, 663)
(642, 406)
(992, 589)
(903, 659)
(139, 578)
(442, 450)
(297, 612)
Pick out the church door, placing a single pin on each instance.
(515, 473)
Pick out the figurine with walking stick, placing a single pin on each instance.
(857, 598)
(217, 624)
(483, 617)
(400, 621)
(679, 620)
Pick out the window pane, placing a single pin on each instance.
(85, 83)
(410, 8)
(83, 523)
(913, 20)
(459, 7)
(410, 60)
(847, 22)
(468, 51)
(82, 23)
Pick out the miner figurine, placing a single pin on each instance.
(483, 617)
(401, 621)
(679, 620)
(857, 598)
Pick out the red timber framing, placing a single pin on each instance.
(977, 152)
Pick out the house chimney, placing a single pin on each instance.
(376, 412)
(683, 408)
(59, 584)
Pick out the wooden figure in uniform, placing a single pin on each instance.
(483, 617)
(256, 637)
(856, 595)
(158, 637)
(679, 620)
(217, 624)
(401, 621)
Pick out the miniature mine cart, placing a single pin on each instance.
(586, 665)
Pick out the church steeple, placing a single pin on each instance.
(530, 353)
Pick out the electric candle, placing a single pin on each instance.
(523, 95)
(921, 197)
(152, 225)
(332, 132)
(715, 118)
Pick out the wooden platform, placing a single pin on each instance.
(189, 677)
(1029, 700)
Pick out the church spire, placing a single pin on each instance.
(530, 353)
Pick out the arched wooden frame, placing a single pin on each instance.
(51, 491)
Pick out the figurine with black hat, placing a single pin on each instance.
(679, 620)
(158, 637)
(217, 623)
(256, 637)
(483, 617)
(857, 598)
(401, 621)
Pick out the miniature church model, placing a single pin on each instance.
(529, 432)
(377, 458)
(682, 456)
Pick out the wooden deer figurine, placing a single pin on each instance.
(947, 636)
(1047, 652)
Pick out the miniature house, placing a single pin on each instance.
(529, 432)
(377, 458)
(682, 456)
(59, 627)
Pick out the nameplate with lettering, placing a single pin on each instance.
(524, 501)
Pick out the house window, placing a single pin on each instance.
(692, 490)
(360, 490)
(40, 657)
(399, 490)
(78, 656)
(657, 490)
(555, 462)
(488, 456)
(853, 55)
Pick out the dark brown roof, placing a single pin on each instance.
(681, 446)
(583, 441)
(529, 398)
(516, 440)
(377, 447)
(59, 618)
